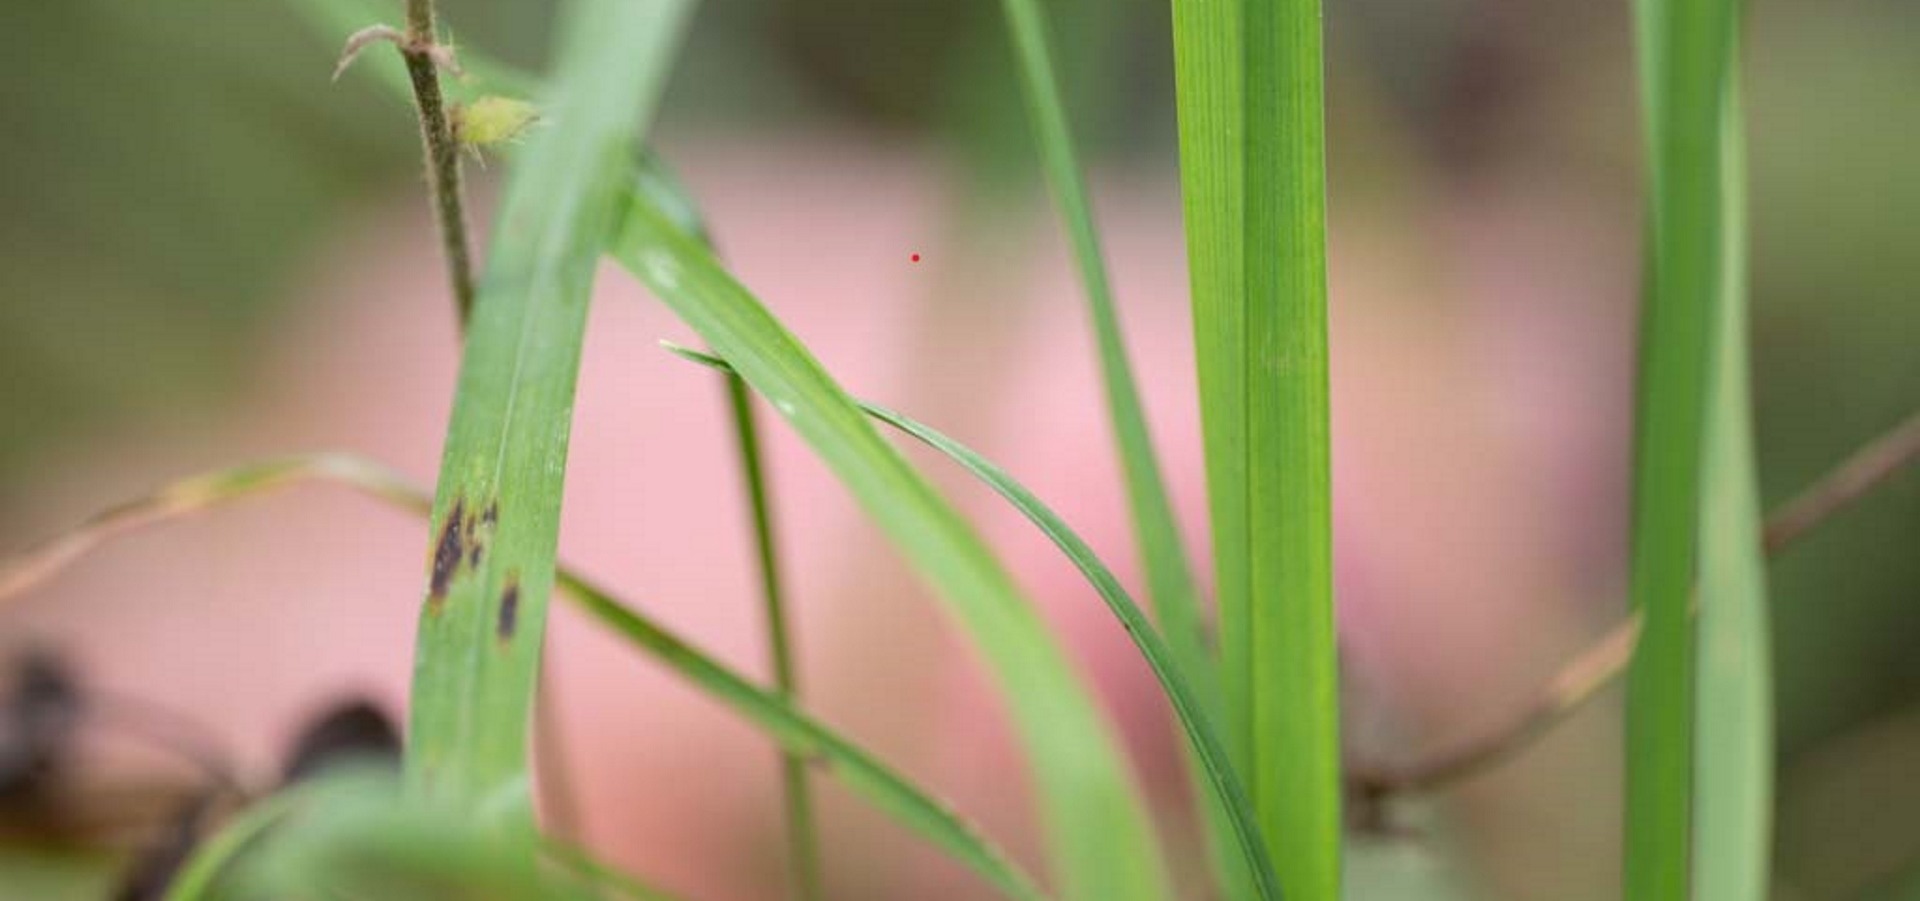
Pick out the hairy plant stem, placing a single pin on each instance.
(420, 50)
(1596, 667)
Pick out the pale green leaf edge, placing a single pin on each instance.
(1733, 708)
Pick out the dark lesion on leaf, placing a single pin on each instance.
(479, 532)
(509, 609)
(462, 541)
(448, 550)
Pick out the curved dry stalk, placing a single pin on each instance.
(1603, 661)
(1859, 474)
(1577, 683)
(792, 729)
(21, 573)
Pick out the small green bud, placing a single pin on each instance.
(493, 120)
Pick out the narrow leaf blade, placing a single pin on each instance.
(496, 519)
(1685, 46)
(1252, 162)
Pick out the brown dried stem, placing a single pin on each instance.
(1582, 678)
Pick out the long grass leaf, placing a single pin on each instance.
(1169, 575)
(1252, 162)
(791, 729)
(1685, 49)
(1098, 833)
(1733, 762)
(496, 521)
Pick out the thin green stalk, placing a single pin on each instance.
(803, 849)
(1733, 763)
(855, 768)
(1252, 160)
(421, 51)
(496, 521)
(1099, 836)
(1685, 49)
(662, 187)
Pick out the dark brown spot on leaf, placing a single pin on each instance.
(447, 552)
(480, 533)
(509, 609)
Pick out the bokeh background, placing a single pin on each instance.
(208, 253)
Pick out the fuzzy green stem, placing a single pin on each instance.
(442, 151)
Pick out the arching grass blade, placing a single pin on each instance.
(1099, 836)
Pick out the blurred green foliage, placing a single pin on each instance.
(164, 166)
(167, 166)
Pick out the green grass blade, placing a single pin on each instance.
(1169, 576)
(803, 844)
(1685, 48)
(496, 516)
(1099, 836)
(1733, 761)
(1252, 161)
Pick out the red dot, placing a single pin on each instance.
(915, 258)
